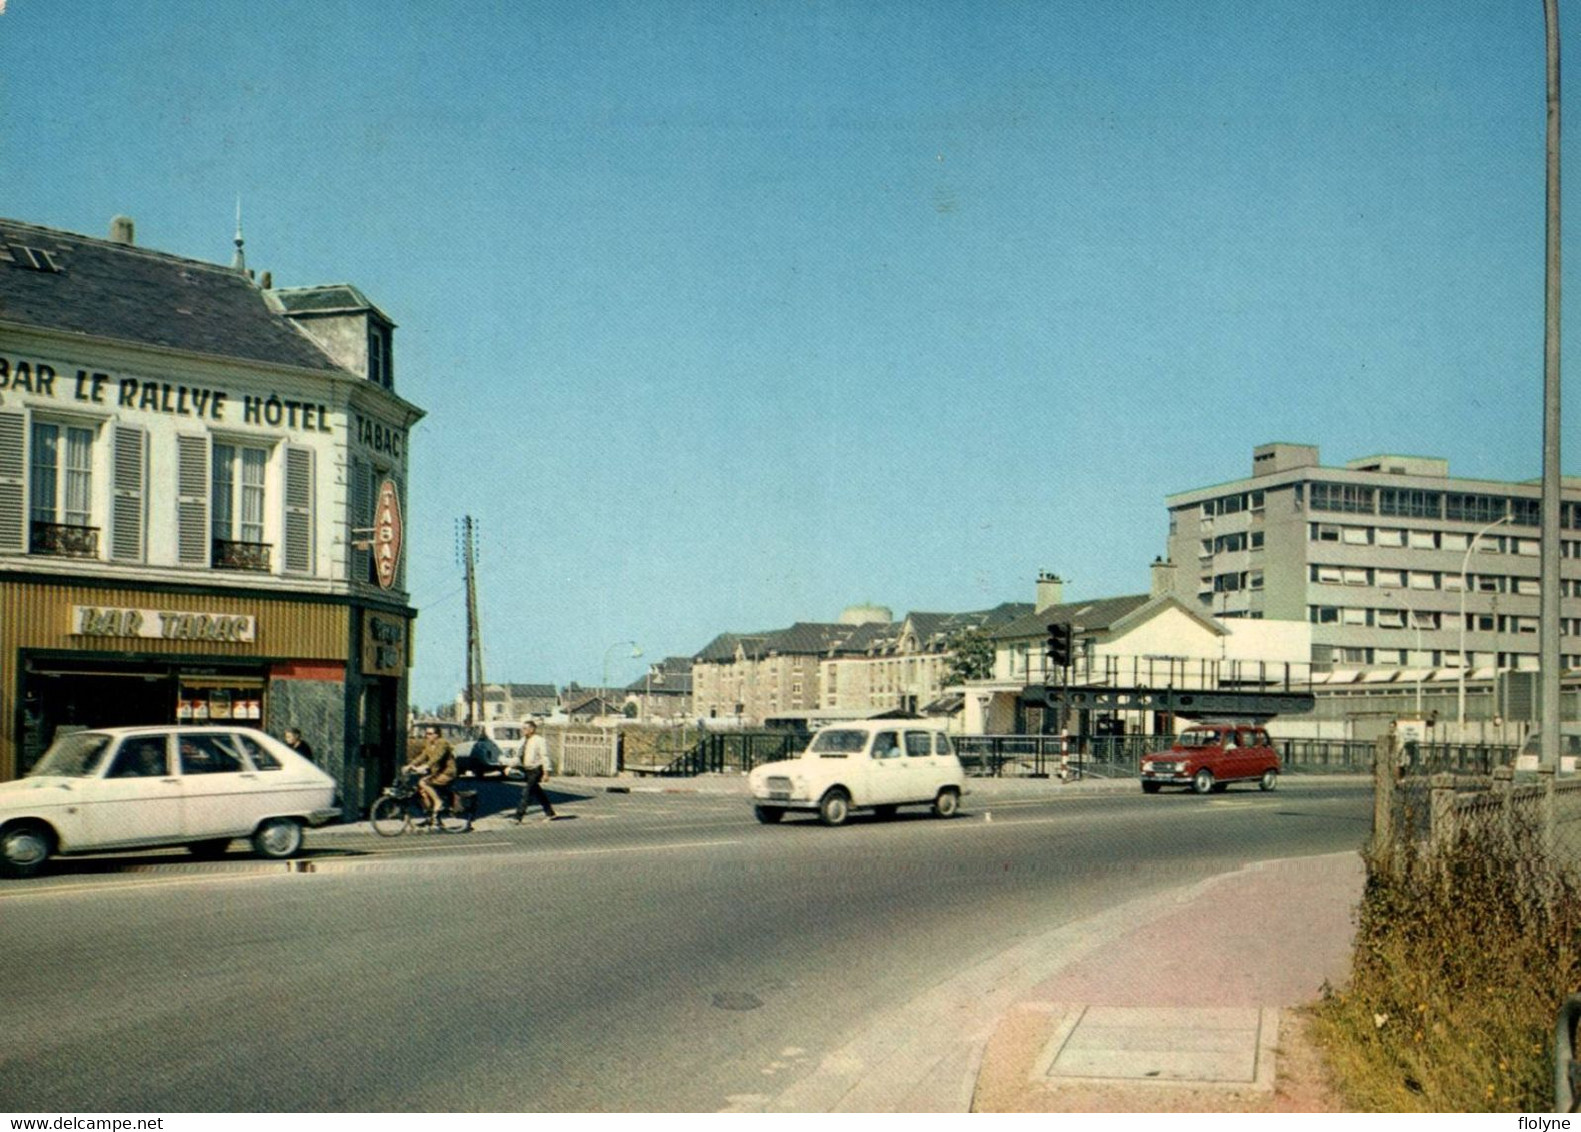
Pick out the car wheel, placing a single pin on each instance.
(23, 850)
(1268, 781)
(885, 812)
(835, 807)
(278, 838)
(214, 847)
(768, 815)
(1202, 782)
(947, 803)
(1150, 788)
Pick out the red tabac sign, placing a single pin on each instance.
(387, 533)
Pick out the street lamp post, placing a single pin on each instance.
(636, 651)
(1416, 624)
(1465, 565)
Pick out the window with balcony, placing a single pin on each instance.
(237, 508)
(60, 492)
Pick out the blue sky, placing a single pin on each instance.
(727, 316)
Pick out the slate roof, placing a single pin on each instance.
(1092, 616)
(676, 680)
(103, 289)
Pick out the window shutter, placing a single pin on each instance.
(192, 500)
(13, 483)
(129, 490)
(361, 560)
(298, 527)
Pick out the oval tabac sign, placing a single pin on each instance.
(387, 533)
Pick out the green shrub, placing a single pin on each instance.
(1461, 963)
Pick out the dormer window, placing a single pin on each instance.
(34, 259)
(379, 363)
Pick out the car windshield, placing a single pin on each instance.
(835, 744)
(1197, 739)
(73, 756)
(509, 734)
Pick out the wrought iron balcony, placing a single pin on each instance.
(231, 555)
(65, 540)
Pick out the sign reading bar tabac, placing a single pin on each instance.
(387, 533)
(162, 624)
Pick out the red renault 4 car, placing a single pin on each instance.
(1210, 756)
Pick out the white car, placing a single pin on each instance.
(873, 764)
(135, 787)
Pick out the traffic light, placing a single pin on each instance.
(1059, 644)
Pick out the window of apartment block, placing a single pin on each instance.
(1453, 540)
(1570, 516)
(1255, 580)
(1390, 619)
(1355, 656)
(1389, 578)
(1351, 498)
(60, 491)
(1452, 583)
(1207, 549)
(1323, 614)
(1423, 540)
(1357, 536)
(1232, 504)
(1424, 580)
(1257, 540)
(1257, 501)
(1480, 622)
(1357, 576)
(1349, 616)
(1409, 503)
(1389, 536)
(1422, 619)
(1526, 512)
(1530, 586)
(1465, 507)
(1324, 532)
(1526, 547)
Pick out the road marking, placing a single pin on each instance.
(140, 882)
(640, 848)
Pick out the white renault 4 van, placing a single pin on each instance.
(871, 764)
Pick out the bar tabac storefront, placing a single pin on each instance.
(84, 655)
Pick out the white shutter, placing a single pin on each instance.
(129, 459)
(360, 560)
(192, 500)
(298, 525)
(13, 483)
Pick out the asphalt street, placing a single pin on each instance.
(648, 952)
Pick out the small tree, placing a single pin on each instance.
(971, 656)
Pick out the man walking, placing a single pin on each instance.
(535, 765)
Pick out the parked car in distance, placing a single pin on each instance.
(1530, 754)
(1210, 756)
(139, 787)
(508, 737)
(874, 764)
(476, 753)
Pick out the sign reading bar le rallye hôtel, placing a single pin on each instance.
(162, 624)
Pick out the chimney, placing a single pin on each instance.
(268, 281)
(1163, 577)
(121, 230)
(1051, 591)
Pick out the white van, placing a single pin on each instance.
(870, 764)
(1569, 748)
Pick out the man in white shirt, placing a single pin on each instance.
(535, 765)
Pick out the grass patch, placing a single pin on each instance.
(1461, 963)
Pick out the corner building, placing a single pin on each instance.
(201, 482)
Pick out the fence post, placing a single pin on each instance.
(1383, 812)
(1503, 784)
(1441, 828)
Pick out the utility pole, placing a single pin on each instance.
(1549, 657)
(469, 554)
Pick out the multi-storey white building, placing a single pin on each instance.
(201, 484)
(1392, 561)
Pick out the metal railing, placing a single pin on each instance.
(64, 540)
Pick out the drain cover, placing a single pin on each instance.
(1195, 1045)
(736, 1000)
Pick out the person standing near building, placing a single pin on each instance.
(535, 765)
(294, 740)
